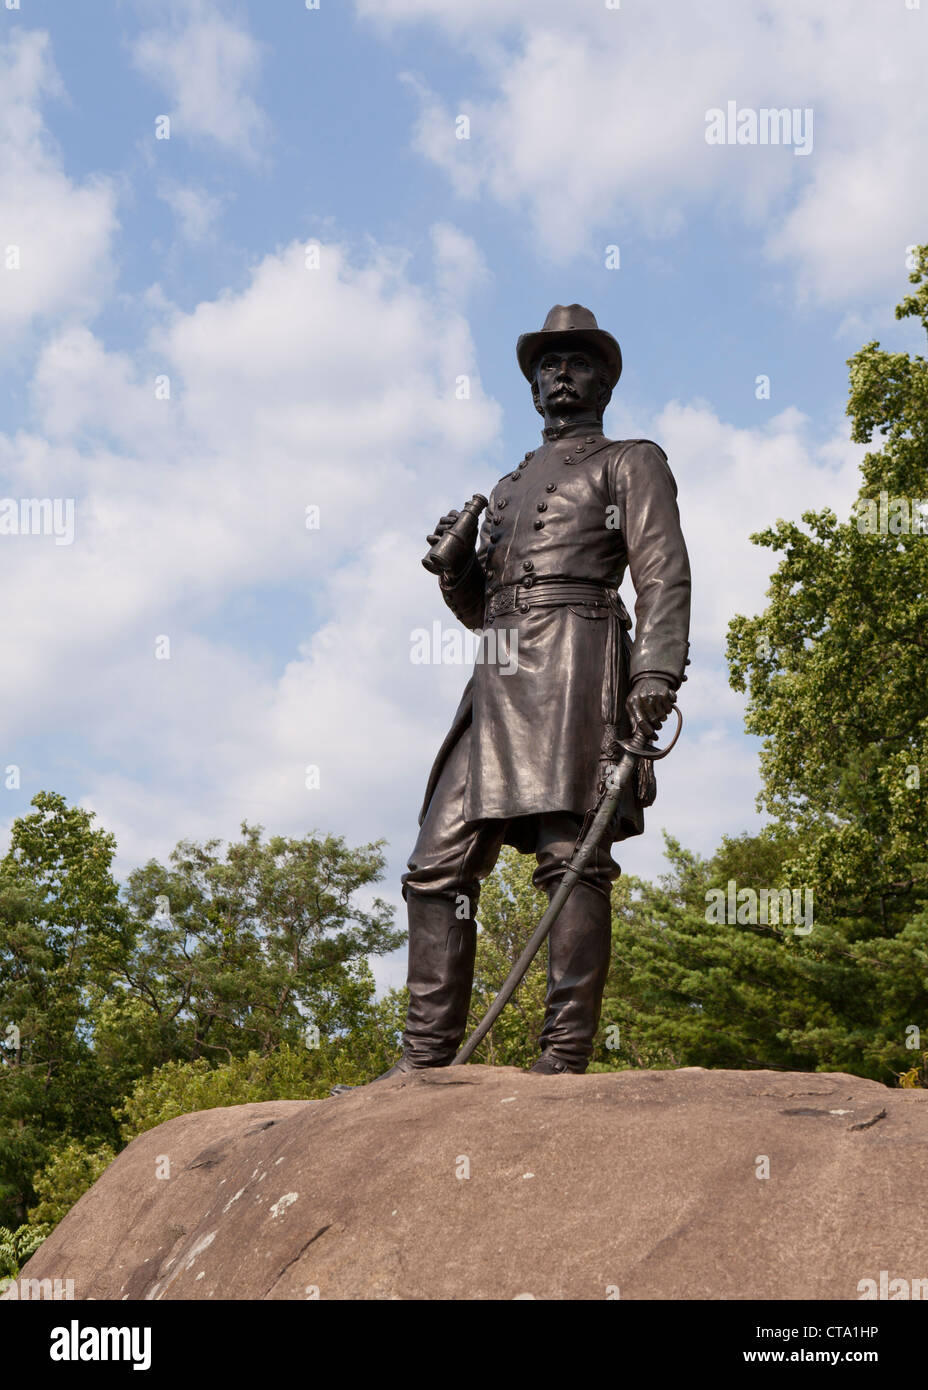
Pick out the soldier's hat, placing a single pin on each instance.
(570, 321)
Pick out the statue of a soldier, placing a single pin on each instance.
(534, 737)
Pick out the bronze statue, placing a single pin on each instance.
(529, 747)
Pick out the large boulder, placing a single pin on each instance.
(481, 1182)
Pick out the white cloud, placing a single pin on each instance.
(59, 232)
(460, 267)
(195, 209)
(736, 481)
(590, 123)
(732, 481)
(73, 375)
(331, 387)
(207, 65)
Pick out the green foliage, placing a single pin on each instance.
(917, 1076)
(16, 1247)
(62, 932)
(835, 664)
(69, 1173)
(287, 1073)
(834, 667)
(217, 957)
(240, 953)
(509, 910)
(722, 994)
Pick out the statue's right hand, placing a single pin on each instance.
(445, 524)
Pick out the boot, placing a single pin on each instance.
(442, 949)
(440, 977)
(399, 1068)
(547, 1065)
(579, 950)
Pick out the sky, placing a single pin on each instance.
(262, 272)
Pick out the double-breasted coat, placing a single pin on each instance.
(580, 510)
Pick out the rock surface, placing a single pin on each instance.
(635, 1184)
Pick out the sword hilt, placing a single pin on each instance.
(641, 747)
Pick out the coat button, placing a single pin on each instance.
(529, 455)
(527, 583)
(542, 507)
(591, 439)
(528, 564)
(549, 487)
(502, 502)
(581, 448)
(515, 476)
(539, 525)
(567, 458)
(523, 607)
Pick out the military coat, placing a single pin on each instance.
(547, 700)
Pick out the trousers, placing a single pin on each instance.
(445, 870)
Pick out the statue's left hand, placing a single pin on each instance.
(649, 704)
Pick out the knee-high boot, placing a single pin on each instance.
(442, 948)
(440, 978)
(579, 950)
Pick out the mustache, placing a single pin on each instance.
(565, 386)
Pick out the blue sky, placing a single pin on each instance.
(290, 386)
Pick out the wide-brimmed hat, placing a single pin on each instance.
(570, 321)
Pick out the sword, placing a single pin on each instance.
(638, 746)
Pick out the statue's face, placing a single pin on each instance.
(568, 380)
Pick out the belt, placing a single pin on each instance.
(541, 592)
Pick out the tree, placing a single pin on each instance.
(260, 952)
(62, 929)
(689, 989)
(835, 664)
(834, 667)
(245, 951)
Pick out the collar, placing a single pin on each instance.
(589, 425)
